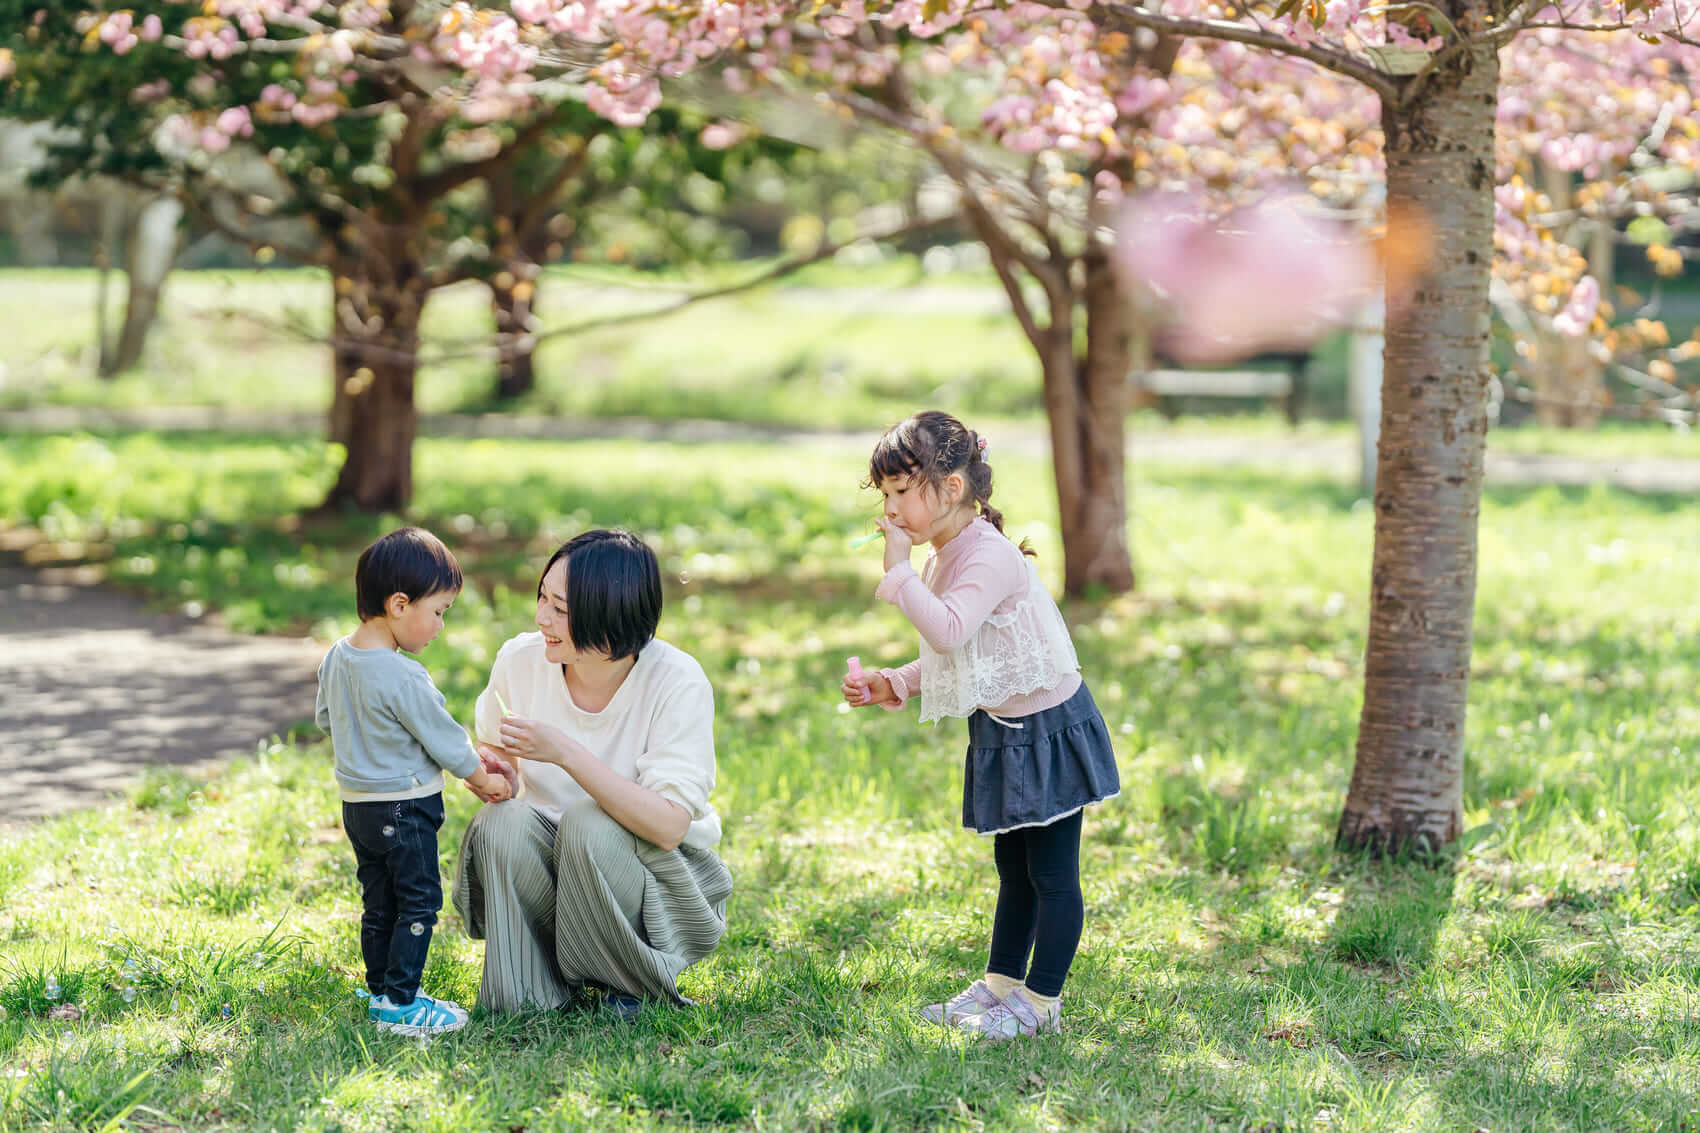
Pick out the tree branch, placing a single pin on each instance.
(777, 271)
(427, 189)
(207, 211)
(535, 210)
(768, 275)
(1334, 59)
(961, 170)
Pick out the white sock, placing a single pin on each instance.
(1002, 985)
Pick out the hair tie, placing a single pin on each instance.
(982, 444)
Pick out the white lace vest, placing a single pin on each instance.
(1016, 651)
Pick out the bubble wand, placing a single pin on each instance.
(866, 539)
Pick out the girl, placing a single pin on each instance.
(995, 649)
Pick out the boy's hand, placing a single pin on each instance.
(878, 689)
(491, 756)
(488, 785)
(498, 791)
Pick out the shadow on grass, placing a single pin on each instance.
(1392, 913)
(1299, 491)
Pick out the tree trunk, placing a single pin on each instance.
(152, 250)
(111, 208)
(1570, 388)
(376, 332)
(513, 294)
(1406, 790)
(1087, 399)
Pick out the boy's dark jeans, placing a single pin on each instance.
(395, 845)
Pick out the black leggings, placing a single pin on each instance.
(1039, 905)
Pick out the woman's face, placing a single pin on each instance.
(552, 617)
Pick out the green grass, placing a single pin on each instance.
(812, 353)
(1236, 973)
(832, 346)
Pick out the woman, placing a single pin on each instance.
(601, 871)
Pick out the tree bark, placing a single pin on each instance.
(375, 337)
(152, 249)
(1570, 388)
(1406, 790)
(1087, 399)
(111, 209)
(513, 294)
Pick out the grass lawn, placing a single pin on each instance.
(818, 353)
(831, 347)
(1235, 973)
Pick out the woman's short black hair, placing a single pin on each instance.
(410, 561)
(613, 592)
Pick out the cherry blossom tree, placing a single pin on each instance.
(1439, 108)
(1040, 188)
(1075, 68)
(1572, 169)
(369, 116)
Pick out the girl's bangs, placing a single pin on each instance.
(893, 456)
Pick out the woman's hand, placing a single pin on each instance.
(878, 690)
(496, 780)
(492, 758)
(533, 739)
(897, 542)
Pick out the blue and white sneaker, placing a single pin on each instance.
(424, 1016)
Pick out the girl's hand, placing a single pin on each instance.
(533, 739)
(897, 542)
(877, 687)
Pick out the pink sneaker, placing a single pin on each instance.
(973, 1000)
(1014, 1016)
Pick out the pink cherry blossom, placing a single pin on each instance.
(1578, 313)
(1264, 277)
(235, 122)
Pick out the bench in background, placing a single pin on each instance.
(1164, 388)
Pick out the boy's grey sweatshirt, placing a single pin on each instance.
(388, 723)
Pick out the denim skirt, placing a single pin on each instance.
(1058, 761)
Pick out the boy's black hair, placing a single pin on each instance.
(613, 592)
(410, 561)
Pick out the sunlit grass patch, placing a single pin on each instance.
(1234, 969)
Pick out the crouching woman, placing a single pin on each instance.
(601, 872)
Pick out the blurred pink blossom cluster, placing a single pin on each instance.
(721, 135)
(210, 38)
(120, 31)
(1578, 313)
(485, 43)
(1267, 276)
(186, 133)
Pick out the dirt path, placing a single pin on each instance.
(95, 687)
